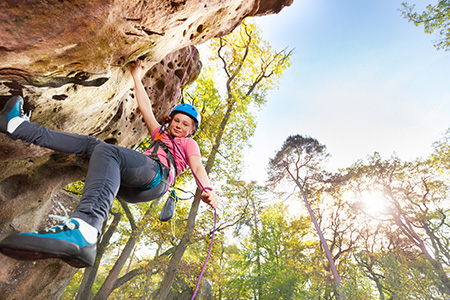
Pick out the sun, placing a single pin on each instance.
(373, 202)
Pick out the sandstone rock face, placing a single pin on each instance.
(50, 42)
(69, 60)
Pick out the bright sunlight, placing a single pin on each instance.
(373, 202)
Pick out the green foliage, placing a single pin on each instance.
(434, 18)
(269, 263)
(75, 188)
(356, 284)
(414, 283)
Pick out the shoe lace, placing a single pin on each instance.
(65, 220)
(24, 116)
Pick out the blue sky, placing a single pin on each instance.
(363, 79)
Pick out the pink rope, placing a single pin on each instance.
(215, 219)
(207, 257)
(181, 82)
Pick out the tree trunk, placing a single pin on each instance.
(167, 282)
(110, 282)
(336, 276)
(258, 253)
(407, 228)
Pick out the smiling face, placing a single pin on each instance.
(181, 125)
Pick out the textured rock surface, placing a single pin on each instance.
(68, 59)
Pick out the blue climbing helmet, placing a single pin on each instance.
(189, 110)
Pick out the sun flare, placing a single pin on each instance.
(373, 202)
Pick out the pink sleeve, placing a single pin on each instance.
(191, 148)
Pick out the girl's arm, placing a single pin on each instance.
(208, 196)
(144, 104)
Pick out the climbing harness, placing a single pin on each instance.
(159, 177)
(163, 171)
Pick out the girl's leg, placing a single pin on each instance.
(15, 123)
(74, 241)
(136, 195)
(55, 140)
(110, 168)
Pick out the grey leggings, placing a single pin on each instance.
(113, 170)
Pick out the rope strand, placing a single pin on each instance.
(204, 189)
(207, 257)
(181, 82)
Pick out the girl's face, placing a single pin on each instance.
(181, 125)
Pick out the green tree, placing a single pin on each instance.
(301, 160)
(270, 261)
(408, 279)
(246, 208)
(440, 158)
(284, 249)
(434, 18)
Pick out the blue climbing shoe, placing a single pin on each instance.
(13, 108)
(64, 241)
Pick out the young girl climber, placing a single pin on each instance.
(113, 171)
